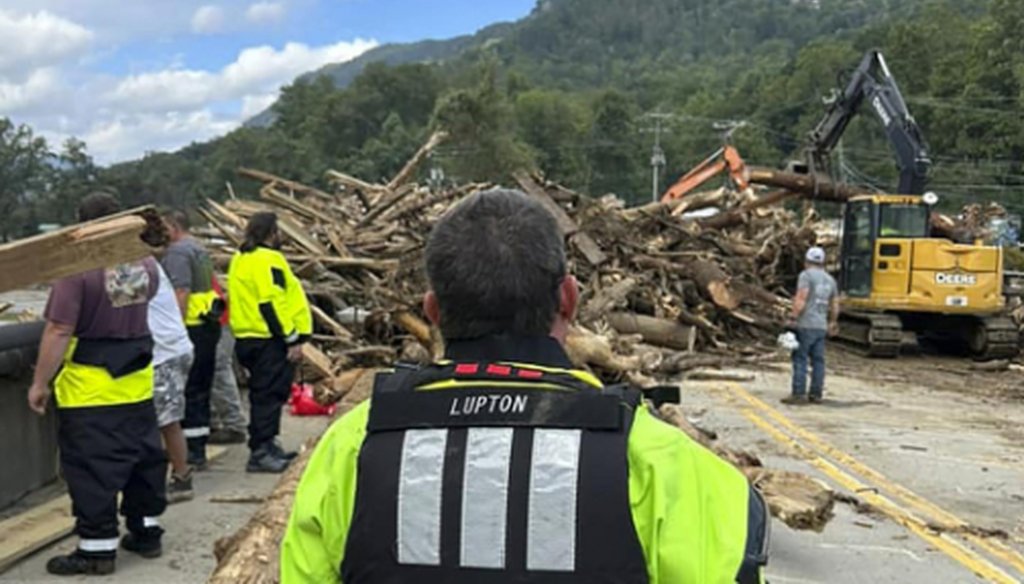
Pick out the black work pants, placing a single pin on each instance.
(196, 424)
(270, 382)
(106, 450)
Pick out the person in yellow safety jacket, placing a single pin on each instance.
(190, 269)
(270, 319)
(98, 336)
(504, 464)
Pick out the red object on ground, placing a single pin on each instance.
(302, 403)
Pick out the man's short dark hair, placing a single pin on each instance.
(97, 205)
(178, 219)
(495, 262)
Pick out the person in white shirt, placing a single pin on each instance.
(172, 360)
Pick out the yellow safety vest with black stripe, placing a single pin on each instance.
(508, 472)
(267, 299)
(203, 308)
(105, 372)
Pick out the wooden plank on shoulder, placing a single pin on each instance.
(79, 248)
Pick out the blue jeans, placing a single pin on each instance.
(812, 344)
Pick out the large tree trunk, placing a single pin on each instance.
(820, 188)
(715, 283)
(655, 331)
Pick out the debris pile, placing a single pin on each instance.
(660, 294)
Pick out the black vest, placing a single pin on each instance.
(491, 474)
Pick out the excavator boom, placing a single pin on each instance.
(724, 158)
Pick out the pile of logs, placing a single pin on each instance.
(657, 287)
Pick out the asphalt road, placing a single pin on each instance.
(927, 461)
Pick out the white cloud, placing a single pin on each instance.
(208, 19)
(37, 40)
(256, 71)
(263, 66)
(125, 137)
(51, 76)
(164, 90)
(265, 12)
(254, 104)
(22, 98)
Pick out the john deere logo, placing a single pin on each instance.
(955, 279)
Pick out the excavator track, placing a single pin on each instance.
(877, 334)
(995, 337)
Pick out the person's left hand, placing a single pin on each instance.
(295, 353)
(833, 329)
(38, 397)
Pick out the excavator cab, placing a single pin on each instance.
(868, 220)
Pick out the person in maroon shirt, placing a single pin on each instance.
(97, 337)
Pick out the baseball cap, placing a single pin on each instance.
(816, 255)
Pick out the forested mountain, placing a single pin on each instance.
(429, 51)
(567, 90)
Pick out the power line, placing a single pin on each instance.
(945, 105)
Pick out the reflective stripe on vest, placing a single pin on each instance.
(498, 501)
(80, 385)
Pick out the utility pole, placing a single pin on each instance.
(657, 153)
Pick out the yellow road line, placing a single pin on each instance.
(952, 548)
(996, 548)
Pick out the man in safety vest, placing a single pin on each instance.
(270, 319)
(190, 269)
(96, 329)
(503, 463)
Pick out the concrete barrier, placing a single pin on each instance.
(28, 443)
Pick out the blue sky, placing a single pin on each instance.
(132, 77)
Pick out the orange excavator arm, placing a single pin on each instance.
(726, 157)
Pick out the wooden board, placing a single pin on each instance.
(293, 186)
(334, 326)
(315, 361)
(75, 249)
(45, 524)
(273, 195)
(300, 236)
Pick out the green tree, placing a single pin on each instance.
(75, 176)
(480, 122)
(616, 155)
(24, 171)
(555, 127)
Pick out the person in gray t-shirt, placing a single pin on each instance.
(816, 315)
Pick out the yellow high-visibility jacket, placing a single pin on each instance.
(267, 300)
(694, 513)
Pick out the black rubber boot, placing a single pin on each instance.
(264, 459)
(197, 453)
(79, 562)
(282, 453)
(146, 542)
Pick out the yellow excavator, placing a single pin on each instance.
(897, 280)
